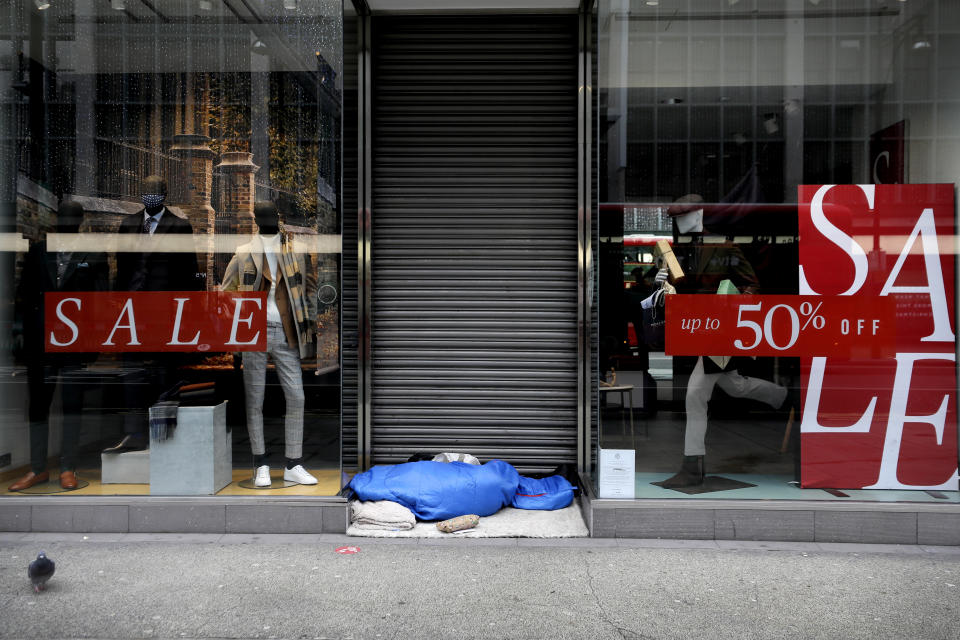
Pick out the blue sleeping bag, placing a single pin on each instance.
(543, 494)
(441, 490)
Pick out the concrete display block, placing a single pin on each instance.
(197, 459)
(132, 467)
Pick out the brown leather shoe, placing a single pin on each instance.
(68, 480)
(29, 480)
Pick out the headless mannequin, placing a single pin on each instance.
(284, 356)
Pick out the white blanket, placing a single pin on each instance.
(381, 514)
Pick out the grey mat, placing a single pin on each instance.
(506, 523)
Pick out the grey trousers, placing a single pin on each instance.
(287, 362)
(699, 390)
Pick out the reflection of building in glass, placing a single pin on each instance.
(692, 108)
(100, 102)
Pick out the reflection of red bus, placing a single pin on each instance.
(638, 254)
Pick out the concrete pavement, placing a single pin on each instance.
(261, 586)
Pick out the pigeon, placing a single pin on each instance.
(39, 571)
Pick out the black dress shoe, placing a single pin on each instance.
(129, 443)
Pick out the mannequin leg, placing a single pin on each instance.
(287, 361)
(699, 389)
(254, 381)
(739, 386)
(70, 437)
(41, 381)
(41, 394)
(135, 393)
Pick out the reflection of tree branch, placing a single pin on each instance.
(229, 113)
(294, 157)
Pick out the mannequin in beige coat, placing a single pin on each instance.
(269, 263)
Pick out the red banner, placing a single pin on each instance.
(155, 321)
(732, 325)
(890, 422)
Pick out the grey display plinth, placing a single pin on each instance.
(197, 459)
(132, 467)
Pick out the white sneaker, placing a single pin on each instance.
(299, 475)
(262, 477)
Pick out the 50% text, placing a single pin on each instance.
(777, 314)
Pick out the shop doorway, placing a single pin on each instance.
(474, 238)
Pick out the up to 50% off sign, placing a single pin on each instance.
(779, 325)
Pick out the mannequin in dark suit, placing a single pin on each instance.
(53, 267)
(140, 268)
(156, 253)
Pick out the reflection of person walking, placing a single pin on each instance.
(705, 266)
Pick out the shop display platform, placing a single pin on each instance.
(328, 484)
(52, 487)
(276, 482)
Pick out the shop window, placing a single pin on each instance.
(759, 108)
(171, 211)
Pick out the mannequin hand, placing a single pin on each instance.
(662, 276)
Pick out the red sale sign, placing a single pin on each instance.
(890, 422)
(155, 321)
(736, 325)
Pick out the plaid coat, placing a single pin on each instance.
(296, 291)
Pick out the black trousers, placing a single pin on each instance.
(42, 382)
(148, 376)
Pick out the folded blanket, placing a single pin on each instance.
(381, 514)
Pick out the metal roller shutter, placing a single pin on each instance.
(474, 248)
(349, 309)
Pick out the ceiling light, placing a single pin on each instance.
(290, 5)
(204, 5)
(259, 47)
(119, 5)
(652, 3)
(921, 43)
(42, 5)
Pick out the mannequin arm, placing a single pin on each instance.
(310, 285)
(231, 276)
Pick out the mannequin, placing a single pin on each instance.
(57, 264)
(268, 263)
(705, 266)
(139, 268)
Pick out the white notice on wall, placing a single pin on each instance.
(616, 473)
